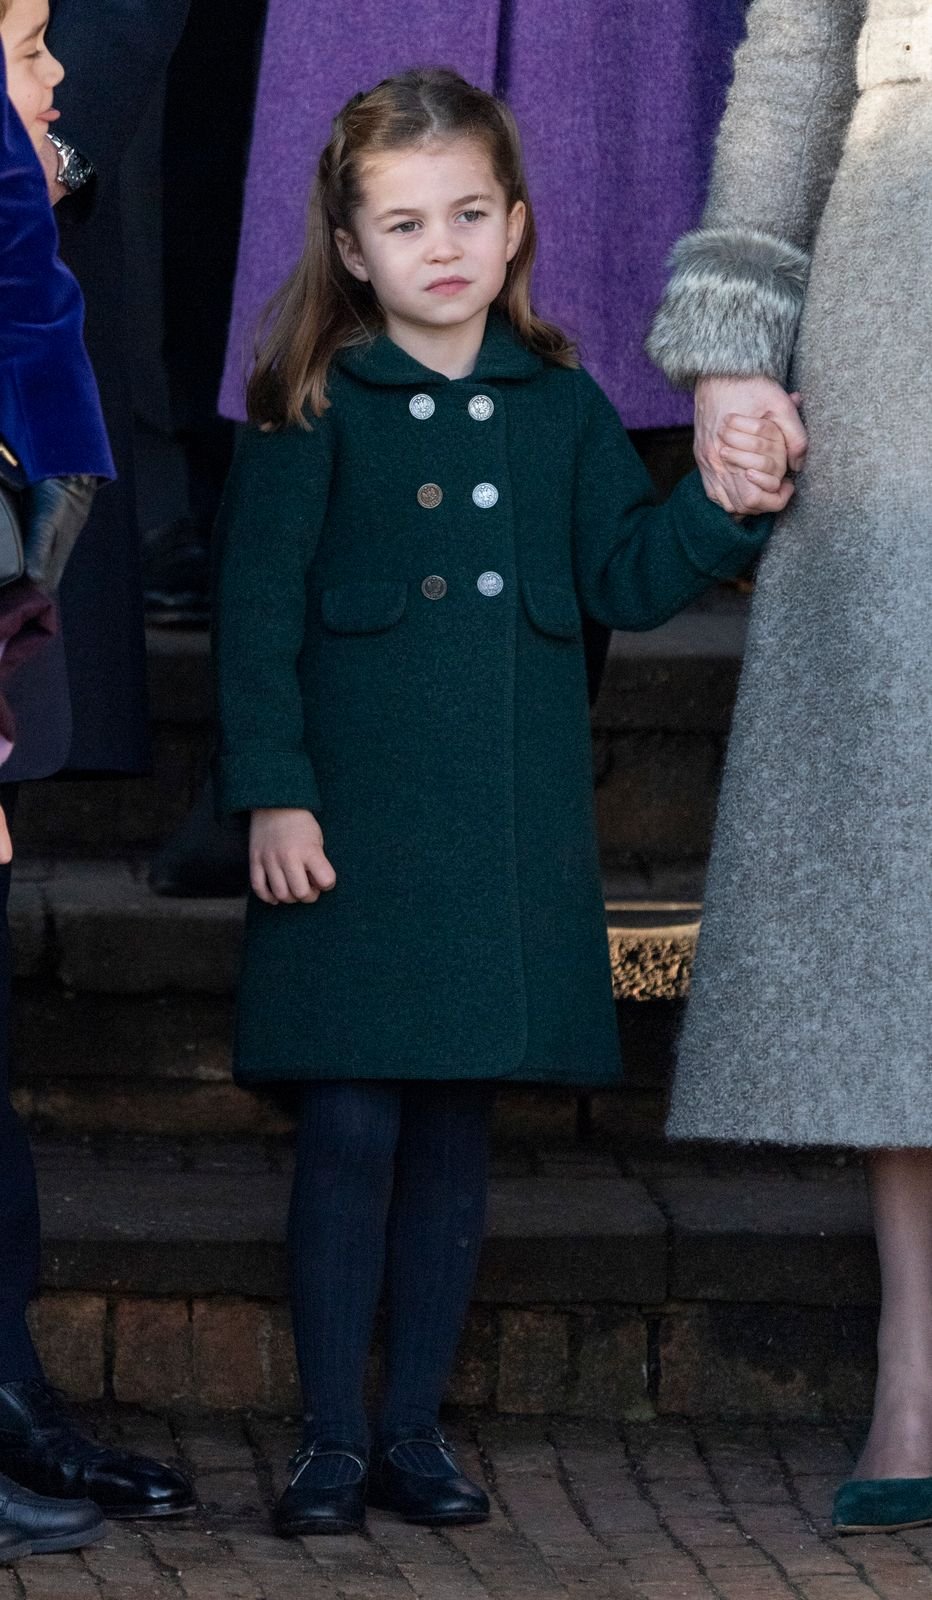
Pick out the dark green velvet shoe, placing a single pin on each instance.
(882, 1505)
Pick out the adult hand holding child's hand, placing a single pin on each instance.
(748, 431)
(287, 864)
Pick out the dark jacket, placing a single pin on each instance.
(82, 704)
(439, 730)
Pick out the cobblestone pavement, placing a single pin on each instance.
(651, 1511)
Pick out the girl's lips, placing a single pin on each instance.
(448, 286)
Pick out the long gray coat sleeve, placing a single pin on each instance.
(734, 300)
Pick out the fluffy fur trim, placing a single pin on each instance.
(732, 306)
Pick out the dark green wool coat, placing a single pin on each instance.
(439, 730)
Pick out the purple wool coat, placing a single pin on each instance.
(617, 104)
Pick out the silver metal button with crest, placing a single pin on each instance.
(421, 406)
(480, 407)
(429, 496)
(434, 587)
(485, 496)
(490, 584)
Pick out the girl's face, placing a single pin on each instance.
(433, 235)
(31, 70)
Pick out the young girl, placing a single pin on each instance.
(432, 495)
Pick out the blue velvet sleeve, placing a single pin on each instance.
(50, 416)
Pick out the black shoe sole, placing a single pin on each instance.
(312, 1529)
(463, 1519)
(146, 1513)
(455, 1519)
(67, 1541)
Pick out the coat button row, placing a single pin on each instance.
(423, 406)
(488, 583)
(485, 496)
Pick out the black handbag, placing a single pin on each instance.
(12, 496)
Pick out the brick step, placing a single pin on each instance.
(611, 1284)
(123, 1018)
(659, 730)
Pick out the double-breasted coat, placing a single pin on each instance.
(398, 649)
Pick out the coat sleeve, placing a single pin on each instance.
(270, 520)
(50, 414)
(114, 54)
(638, 563)
(734, 300)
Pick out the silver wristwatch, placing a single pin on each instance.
(74, 170)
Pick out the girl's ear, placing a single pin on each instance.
(517, 218)
(351, 255)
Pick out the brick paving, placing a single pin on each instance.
(659, 1510)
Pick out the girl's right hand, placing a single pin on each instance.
(287, 864)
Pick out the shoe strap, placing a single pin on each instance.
(321, 1448)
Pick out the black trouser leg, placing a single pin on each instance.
(435, 1235)
(347, 1137)
(19, 1206)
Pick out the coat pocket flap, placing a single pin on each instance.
(553, 609)
(363, 607)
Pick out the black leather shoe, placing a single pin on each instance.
(12, 1545)
(43, 1526)
(418, 1476)
(327, 1492)
(41, 1448)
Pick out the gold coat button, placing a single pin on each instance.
(434, 588)
(429, 495)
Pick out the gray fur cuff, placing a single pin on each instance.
(732, 307)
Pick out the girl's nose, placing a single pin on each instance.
(54, 71)
(444, 247)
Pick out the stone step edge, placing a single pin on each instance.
(96, 927)
(157, 1218)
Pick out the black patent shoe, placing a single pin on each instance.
(419, 1477)
(42, 1449)
(42, 1526)
(326, 1493)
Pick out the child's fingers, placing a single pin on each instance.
(770, 482)
(761, 501)
(319, 869)
(755, 460)
(257, 879)
(278, 882)
(300, 886)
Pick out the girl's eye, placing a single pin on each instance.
(472, 216)
(404, 227)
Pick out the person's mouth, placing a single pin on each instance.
(447, 286)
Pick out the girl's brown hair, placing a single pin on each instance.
(321, 307)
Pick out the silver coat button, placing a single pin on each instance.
(429, 496)
(434, 588)
(485, 495)
(490, 584)
(481, 407)
(421, 406)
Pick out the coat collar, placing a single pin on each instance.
(502, 355)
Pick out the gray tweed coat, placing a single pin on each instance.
(811, 1015)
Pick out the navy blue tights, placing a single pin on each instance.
(390, 1185)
